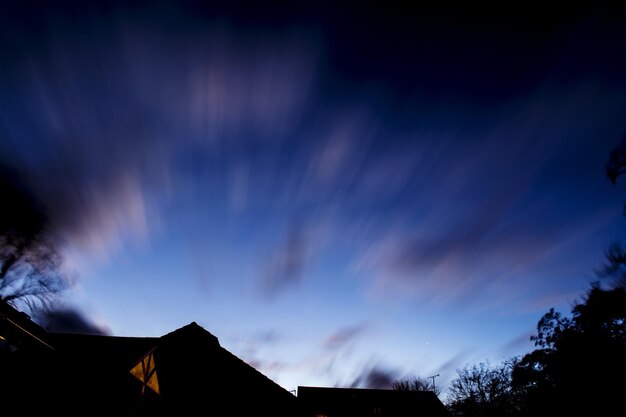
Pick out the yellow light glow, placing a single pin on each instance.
(145, 371)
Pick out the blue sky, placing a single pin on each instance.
(343, 196)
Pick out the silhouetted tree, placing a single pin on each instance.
(29, 260)
(415, 384)
(615, 266)
(483, 391)
(580, 361)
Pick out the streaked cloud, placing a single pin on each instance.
(286, 265)
(111, 113)
(326, 161)
(376, 377)
(521, 343)
(455, 362)
(344, 336)
(70, 320)
(479, 219)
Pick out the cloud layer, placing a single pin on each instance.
(334, 161)
(130, 128)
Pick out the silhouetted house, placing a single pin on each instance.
(185, 372)
(18, 331)
(357, 402)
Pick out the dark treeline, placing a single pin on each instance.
(579, 361)
(577, 367)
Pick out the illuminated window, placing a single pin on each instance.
(145, 371)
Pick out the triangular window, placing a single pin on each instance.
(145, 371)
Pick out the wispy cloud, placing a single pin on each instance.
(260, 338)
(377, 377)
(268, 367)
(344, 336)
(517, 345)
(455, 362)
(480, 219)
(286, 265)
(278, 149)
(70, 320)
(100, 112)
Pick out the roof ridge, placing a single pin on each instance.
(195, 328)
(254, 369)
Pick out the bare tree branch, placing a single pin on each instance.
(30, 263)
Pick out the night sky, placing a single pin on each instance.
(343, 195)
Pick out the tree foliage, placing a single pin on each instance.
(579, 361)
(416, 384)
(484, 390)
(30, 262)
(614, 268)
(577, 366)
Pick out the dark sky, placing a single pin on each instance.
(341, 194)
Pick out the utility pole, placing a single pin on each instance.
(433, 377)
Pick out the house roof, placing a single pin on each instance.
(360, 401)
(187, 358)
(114, 353)
(192, 369)
(19, 330)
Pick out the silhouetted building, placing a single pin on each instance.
(185, 372)
(18, 331)
(357, 402)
